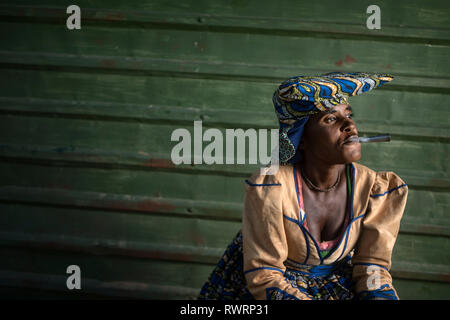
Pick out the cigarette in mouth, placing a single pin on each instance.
(380, 138)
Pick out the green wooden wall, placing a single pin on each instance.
(86, 117)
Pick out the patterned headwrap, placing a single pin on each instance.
(299, 97)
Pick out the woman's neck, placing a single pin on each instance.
(322, 175)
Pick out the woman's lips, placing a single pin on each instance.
(351, 140)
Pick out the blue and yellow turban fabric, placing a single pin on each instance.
(299, 97)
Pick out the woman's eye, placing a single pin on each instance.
(332, 119)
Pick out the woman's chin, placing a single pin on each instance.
(353, 155)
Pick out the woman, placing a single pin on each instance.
(322, 227)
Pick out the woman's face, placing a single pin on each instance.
(326, 137)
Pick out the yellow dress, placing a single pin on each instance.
(275, 257)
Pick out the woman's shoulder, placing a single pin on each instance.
(278, 178)
(382, 182)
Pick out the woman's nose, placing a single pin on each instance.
(349, 126)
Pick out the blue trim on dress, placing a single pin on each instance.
(370, 264)
(302, 217)
(347, 233)
(292, 219)
(387, 192)
(315, 244)
(300, 223)
(347, 229)
(305, 233)
(353, 190)
(307, 246)
(298, 196)
(352, 219)
(316, 271)
(378, 293)
(264, 268)
(262, 185)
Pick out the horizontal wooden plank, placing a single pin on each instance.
(134, 290)
(198, 69)
(418, 290)
(215, 210)
(105, 268)
(184, 253)
(415, 20)
(102, 228)
(28, 286)
(215, 52)
(415, 221)
(389, 117)
(401, 269)
(172, 182)
(244, 102)
(421, 250)
(161, 237)
(137, 278)
(83, 141)
(421, 271)
(22, 293)
(143, 160)
(125, 181)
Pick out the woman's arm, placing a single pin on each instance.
(372, 258)
(264, 241)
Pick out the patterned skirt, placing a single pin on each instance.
(323, 282)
